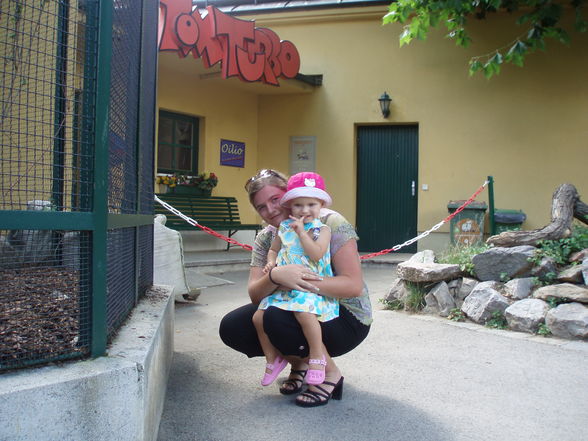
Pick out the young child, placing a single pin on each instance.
(302, 239)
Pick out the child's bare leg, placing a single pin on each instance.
(275, 362)
(312, 331)
(268, 349)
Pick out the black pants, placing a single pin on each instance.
(340, 335)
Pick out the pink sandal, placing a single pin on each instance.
(276, 367)
(316, 376)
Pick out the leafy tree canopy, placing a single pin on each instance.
(540, 19)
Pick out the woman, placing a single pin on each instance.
(340, 335)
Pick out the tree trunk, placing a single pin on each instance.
(566, 205)
(581, 211)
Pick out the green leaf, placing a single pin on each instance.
(405, 37)
(535, 33)
(463, 39)
(516, 54)
(496, 59)
(514, 58)
(562, 36)
(390, 17)
(492, 67)
(495, 3)
(434, 20)
(475, 66)
(579, 23)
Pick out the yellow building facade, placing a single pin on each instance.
(526, 127)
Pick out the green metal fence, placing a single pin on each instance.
(76, 174)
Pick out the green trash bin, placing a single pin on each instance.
(508, 220)
(467, 227)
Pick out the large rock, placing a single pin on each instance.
(490, 284)
(572, 274)
(482, 303)
(569, 320)
(431, 305)
(526, 315)
(445, 302)
(519, 289)
(504, 263)
(546, 269)
(579, 256)
(425, 256)
(397, 292)
(427, 272)
(567, 291)
(454, 286)
(466, 287)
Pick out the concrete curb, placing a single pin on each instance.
(116, 397)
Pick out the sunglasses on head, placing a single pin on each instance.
(264, 173)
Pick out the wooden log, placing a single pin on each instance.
(581, 211)
(565, 206)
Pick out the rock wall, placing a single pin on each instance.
(506, 284)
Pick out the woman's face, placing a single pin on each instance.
(267, 203)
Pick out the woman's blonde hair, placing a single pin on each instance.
(265, 177)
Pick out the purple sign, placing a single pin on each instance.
(232, 153)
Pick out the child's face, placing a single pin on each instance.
(308, 208)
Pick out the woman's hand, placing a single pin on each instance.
(348, 281)
(285, 277)
(295, 277)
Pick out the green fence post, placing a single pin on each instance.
(100, 234)
(59, 124)
(491, 205)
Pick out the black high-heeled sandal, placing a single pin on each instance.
(321, 398)
(294, 384)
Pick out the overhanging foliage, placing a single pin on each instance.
(540, 19)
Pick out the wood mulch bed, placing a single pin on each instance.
(39, 314)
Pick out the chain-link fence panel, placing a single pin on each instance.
(75, 254)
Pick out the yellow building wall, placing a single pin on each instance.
(27, 119)
(527, 127)
(224, 113)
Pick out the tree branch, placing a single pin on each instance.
(566, 205)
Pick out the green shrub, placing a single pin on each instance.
(456, 315)
(393, 305)
(415, 299)
(559, 250)
(462, 255)
(498, 321)
(544, 330)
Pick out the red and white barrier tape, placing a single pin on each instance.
(429, 231)
(202, 227)
(365, 256)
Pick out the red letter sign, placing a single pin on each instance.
(247, 52)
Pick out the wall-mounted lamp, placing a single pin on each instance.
(385, 101)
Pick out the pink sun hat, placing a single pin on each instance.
(306, 185)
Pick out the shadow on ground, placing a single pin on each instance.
(236, 408)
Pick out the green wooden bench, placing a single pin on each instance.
(215, 212)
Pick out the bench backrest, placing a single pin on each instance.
(207, 211)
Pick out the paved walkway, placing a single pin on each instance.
(414, 378)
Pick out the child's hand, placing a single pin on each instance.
(297, 225)
(268, 267)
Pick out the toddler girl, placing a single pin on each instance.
(302, 239)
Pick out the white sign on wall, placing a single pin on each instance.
(302, 154)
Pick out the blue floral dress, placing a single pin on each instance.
(326, 308)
